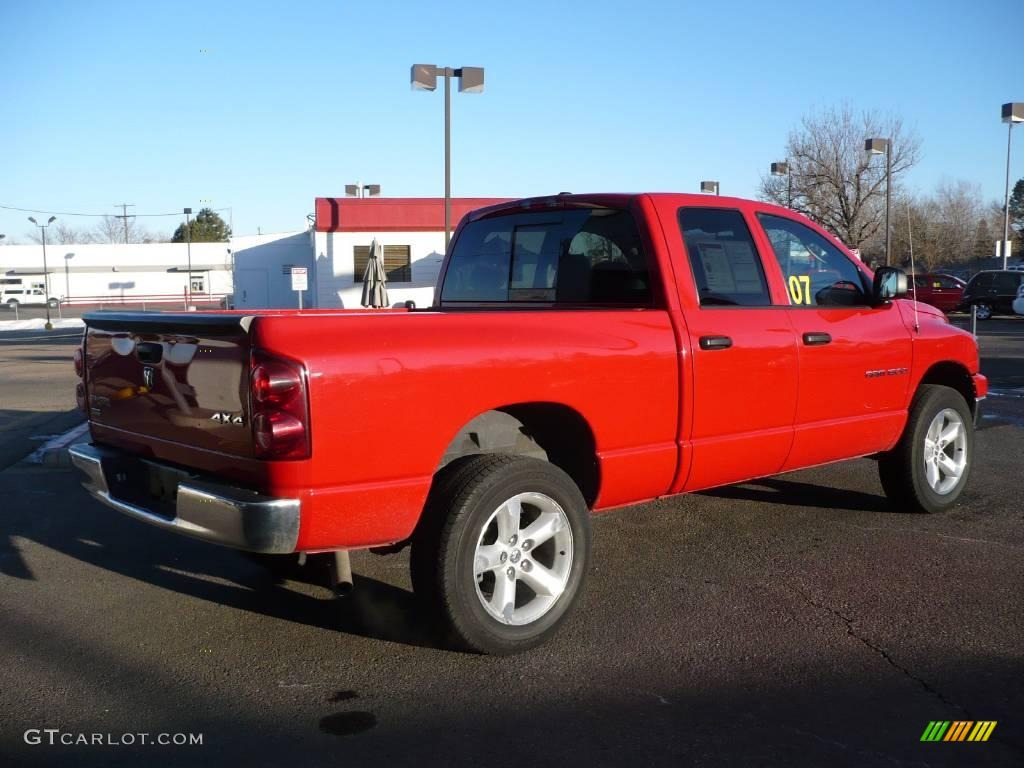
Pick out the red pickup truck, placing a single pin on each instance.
(583, 352)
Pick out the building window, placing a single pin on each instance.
(397, 263)
(197, 284)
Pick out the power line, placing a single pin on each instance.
(95, 215)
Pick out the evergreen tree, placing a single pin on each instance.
(206, 227)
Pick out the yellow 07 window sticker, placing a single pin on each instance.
(800, 289)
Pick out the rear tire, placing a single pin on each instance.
(930, 466)
(53, 303)
(503, 551)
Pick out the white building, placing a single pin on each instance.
(157, 275)
(411, 231)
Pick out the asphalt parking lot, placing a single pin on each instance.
(796, 620)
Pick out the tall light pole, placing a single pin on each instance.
(783, 169)
(188, 248)
(46, 274)
(362, 190)
(710, 187)
(471, 80)
(877, 147)
(1013, 113)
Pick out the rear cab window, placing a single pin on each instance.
(725, 264)
(571, 256)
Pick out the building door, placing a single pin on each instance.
(252, 289)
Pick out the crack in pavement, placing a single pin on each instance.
(881, 652)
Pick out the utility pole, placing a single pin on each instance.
(124, 216)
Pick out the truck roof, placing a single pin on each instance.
(621, 199)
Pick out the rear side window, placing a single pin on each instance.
(981, 280)
(724, 262)
(1007, 281)
(817, 273)
(590, 256)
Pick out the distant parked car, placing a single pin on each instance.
(942, 291)
(992, 292)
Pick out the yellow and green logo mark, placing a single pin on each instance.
(958, 730)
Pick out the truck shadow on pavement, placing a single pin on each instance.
(95, 535)
(775, 490)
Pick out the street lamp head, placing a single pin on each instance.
(33, 221)
(351, 190)
(373, 190)
(1013, 112)
(471, 80)
(51, 220)
(423, 77)
(780, 169)
(709, 186)
(876, 146)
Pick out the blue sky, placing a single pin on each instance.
(109, 102)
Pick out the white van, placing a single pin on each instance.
(25, 292)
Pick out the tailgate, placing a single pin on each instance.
(176, 377)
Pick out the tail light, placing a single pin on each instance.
(81, 399)
(280, 408)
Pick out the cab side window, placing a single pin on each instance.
(816, 272)
(726, 267)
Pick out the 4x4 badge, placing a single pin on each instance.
(228, 418)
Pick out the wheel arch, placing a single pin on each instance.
(954, 375)
(552, 432)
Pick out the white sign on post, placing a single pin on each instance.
(300, 281)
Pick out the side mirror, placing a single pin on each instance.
(890, 283)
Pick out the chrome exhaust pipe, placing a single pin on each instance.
(341, 573)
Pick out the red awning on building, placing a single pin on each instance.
(393, 214)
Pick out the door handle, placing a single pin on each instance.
(715, 342)
(817, 339)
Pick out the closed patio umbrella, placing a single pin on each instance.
(375, 289)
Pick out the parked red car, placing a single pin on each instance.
(584, 352)
(941, 291)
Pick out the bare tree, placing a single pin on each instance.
(65, 234)
(834, 181)
(111, 229)
(944, 225)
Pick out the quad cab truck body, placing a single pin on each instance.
(583, 352)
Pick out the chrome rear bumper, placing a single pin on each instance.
(222, 514)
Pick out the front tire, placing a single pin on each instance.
(503, 552)
(983, 311)
(930, 466)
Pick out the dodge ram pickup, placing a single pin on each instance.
(583, 352)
